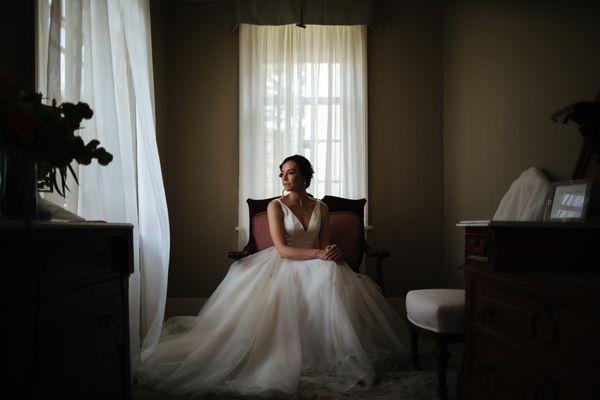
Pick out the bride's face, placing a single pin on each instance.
(291, 178)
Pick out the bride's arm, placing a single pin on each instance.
(275, 214)
(324, 234)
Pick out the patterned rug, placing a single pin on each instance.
(398, 385)
(401, 384)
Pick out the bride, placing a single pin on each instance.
(291, 314)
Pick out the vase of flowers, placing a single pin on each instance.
(18, 177)
(38, 143)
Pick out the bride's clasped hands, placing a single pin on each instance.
(332, 253)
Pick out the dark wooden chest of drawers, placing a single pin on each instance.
(530, 334)
(65, 303)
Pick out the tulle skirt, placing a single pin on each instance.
(273, 322)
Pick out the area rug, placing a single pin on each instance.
(393, 385)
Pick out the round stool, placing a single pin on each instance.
(437, 313)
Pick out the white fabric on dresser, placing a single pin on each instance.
(438, 310)
(525, 199)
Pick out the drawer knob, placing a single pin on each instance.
(101, 260)
(106, 322)
(488, 313)
(543, 326)
(490, 368)
(477, 243)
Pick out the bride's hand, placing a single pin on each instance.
(333, 252)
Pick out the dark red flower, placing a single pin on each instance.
(20, 124)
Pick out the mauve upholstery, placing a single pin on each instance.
(345, 232)
(345, 228)
(261, 231)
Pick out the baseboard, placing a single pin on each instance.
(398, 304)
(183, 306)
(191, 306)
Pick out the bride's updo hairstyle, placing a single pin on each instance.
(306, 169)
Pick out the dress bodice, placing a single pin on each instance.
(295, 235)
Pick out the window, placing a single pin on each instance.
(318, 118)
(60, 68)
(302, 91)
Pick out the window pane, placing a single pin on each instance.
(320, 189)
(322, 159)
(307, 80)
(336, 121)
(336, 80)
(336, 158)
(322, 121)
(335, 189)
(323, 83)
(307, 122)
(62, 74)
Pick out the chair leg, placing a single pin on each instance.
(380, 274)
(414, 348)
(443, 356)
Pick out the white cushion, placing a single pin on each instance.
(437, 310)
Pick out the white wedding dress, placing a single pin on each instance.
(274, 322)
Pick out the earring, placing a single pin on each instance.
(305, 183)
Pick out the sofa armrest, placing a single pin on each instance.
(379, 255)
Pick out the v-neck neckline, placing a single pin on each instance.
(298, 219)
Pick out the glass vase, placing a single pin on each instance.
(18, 185)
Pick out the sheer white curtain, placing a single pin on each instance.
(302, 91)
(99, 52)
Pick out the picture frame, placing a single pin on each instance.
(568, 201)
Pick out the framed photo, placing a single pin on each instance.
(568, 200)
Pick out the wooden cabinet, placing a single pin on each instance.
(65, 302)
(529, 333)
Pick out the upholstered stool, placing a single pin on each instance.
(437, 313)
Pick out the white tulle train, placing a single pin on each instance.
(273, 322)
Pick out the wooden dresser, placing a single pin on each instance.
(65, 309)
(532, 317)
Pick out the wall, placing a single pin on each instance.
(158, 21)
(508, 65)
(196, 65)
(197, 98)
(405, 142)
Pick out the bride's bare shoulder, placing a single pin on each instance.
(324, 208)
(274, 205)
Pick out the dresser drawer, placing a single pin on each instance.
(477, 245)
(555, 333)
(79, 329)
(108, 316)
(503, 312)
(495, 374)
(78, 258)
(495, 370)
(65, 292)
(104, 381)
